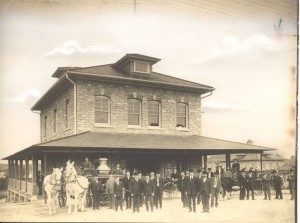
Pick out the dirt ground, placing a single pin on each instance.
(229, 210)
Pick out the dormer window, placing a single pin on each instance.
(141, 67)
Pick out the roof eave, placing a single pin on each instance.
(202, 90)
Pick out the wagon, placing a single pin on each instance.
(62, 198)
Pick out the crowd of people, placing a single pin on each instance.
(195, 187)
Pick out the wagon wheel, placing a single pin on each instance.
(62, 198)
(104, 198)
(170, 189)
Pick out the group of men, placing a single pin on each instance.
(135, 190)
(199, 187)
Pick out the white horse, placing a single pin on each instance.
(76, 186)
(52, 187)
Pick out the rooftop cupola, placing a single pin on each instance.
(136, 65)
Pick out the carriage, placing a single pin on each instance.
(89, 199)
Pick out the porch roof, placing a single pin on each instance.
(147, 142)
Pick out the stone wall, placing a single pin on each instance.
(58, 103)
(119, 93)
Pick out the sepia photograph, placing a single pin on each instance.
(148, 110)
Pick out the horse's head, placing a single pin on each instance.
(56, 175)
(70, 172)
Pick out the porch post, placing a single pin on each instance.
(45, 165)
(15, 169)
(21, 170)
(227, 161)
(201, 163)
(205, 162)
(26, 171)
(261, 161)
(34, 172)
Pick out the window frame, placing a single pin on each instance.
(99, 124)
(67, 114)
(186, 116)
(45, 126)
(134, 67)
(55, 120)
(140, 114)
(159, 115)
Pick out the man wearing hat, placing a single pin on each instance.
(118, 194)
(87, 167)
(216, 189)
(118, 171)
(205, 189)
(277, 184)
(250, 178)
(242, 183)
(210, 174)
(95, 187)
(135, 188)
(126, 182)
(141, 197)
(292, 183)
(110, 190)
(191, 190)
(148, 190)
(181, 182)
(158, 190)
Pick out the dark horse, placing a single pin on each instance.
(228, 180)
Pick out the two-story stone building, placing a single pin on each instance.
(125, 112)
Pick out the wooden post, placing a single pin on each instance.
(201, 163)
(261, 161)
(26, 171)
(21, 170)
(45, 165)
(205, 162)
(34, 172)
(227, 161)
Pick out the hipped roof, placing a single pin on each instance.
(143, 142)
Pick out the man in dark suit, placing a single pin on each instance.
(39, 182)
(95, 187)
(199, 179)
(292, 183)
(158, 190)
(118, 194)
(242, 183)
(148, 192)
(205, 188)
(181, 184)
(141, 197)
(191, 190)
(135, 188)
(126, 182)
(250, 179)
(277, 185)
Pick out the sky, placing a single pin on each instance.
(247, 50)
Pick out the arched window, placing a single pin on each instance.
(182, 115)
(134, 112)
(154, 113)
(54, 120)
(45, 126)
(102, 110)
(67, 111)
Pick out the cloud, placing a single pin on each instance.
(72, 46)
(234, 45)
(216, 106)
(22, 98)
